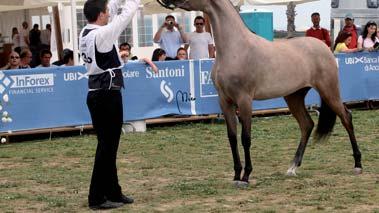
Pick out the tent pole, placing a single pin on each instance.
(58, 33)
(74, 31)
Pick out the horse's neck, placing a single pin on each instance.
(226, 24)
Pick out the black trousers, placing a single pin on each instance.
(105, 107)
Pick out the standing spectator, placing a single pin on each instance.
(126, 47)
(159, 55)
(368, 38)
(16, 40)
(342, 42)
(25, 59)
(35, 44)
(24, 35)
(13, 61)
(354, 30)
(200, 42)
(181, 54)
(170, 40)
(45, 57)
(318, 32)
(45, 37)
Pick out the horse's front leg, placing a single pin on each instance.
(230, 117)
(245, 119)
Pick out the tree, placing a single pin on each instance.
(291, 13)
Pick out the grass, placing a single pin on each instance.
(188, 168)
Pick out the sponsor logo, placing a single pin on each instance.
(36, 80)
(74, 76)
(165, 73)
(167, 91)
(362, 60)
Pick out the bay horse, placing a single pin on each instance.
(249, 67)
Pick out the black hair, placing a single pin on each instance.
(125, 44)
(92, 9)
(44, 52)
(157, 53)
(69, 54)
(315, 14)
(365, 31)
(169, 16)
(199, 18)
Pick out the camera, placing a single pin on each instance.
(170, 22)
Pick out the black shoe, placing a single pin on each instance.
(107, 205)
(123, 199)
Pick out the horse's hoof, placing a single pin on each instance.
(291, 172)
(357, 171)
(241, 184)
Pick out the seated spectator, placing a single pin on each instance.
(342, 42)
(200, 43)
(45, 57)
(124, 54)
(13, 61)
(159, 55)
(168, 38)
(368, 38)
(181, 54)
(126, 47)
(318, 32)
(26, 59)
(68, 57)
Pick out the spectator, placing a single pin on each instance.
(354, 30)
(45, 57)
(13, 61)
(342, 42)
(24, 35)
(35, 44)
(45, 37)
(200, 42)
(124, 54)
(318, 32)
(368, 38)
(16, 40)
(126, 47)
(170, 40)
(68, 58)
(181, 54)
(25, 59)
(159, 55)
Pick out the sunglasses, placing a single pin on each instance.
(199, 24)
(15, 57)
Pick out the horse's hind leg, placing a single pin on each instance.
(230, 117)
(297, 107)
(333, 100)
(244, 106)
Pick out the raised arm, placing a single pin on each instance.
(111, 32)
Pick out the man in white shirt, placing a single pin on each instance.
(99, 51)
(200, 43)
(24, 36)
(170, 40)
(46, 37)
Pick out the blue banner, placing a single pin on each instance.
(56, 97)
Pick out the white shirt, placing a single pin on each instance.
(106, 36)
(367, 43)
(16, 40)
(198, 44)
(170, 41)
(23, 33)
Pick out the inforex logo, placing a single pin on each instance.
(36, 80)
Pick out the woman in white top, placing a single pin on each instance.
(16, 40)
(368, 38)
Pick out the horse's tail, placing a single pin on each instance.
(326, 121)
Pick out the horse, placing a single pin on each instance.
(249, 67)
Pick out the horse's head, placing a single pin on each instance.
(184, 4)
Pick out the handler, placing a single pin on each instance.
(98, 42)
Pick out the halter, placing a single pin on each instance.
(167, 4)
